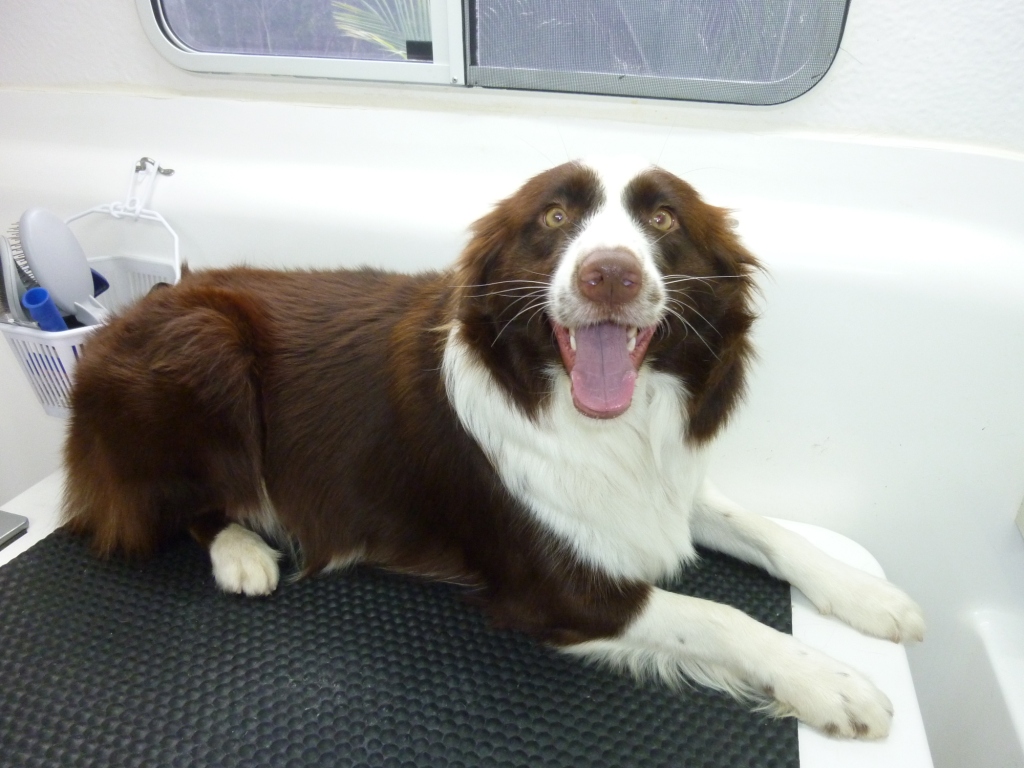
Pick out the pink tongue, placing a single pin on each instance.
(603, 376)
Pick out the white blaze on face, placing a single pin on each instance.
(602, 349)
(609, 227)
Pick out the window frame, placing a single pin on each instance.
(447, 68)
(452, 35)
(738, 92)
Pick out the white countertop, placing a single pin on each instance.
(884, 662)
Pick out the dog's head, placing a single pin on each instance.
(603, 268)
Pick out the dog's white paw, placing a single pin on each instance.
(872, 605)
(830, 696)
(243, 562)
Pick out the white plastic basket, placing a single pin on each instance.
(49, 358)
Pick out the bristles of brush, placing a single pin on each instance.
(18, 254)
(5, 249)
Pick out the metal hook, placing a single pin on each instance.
(145, 162)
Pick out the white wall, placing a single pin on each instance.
(886, 203)
(942, 70)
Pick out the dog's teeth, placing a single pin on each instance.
(572, 340)
(631, 344)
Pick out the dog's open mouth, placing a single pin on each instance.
(602, 361)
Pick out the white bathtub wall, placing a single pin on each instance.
(886, 204)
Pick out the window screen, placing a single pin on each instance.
(376, 30)
(741, 51)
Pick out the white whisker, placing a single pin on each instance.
(516, 301)
(521, 312)
(500, 282)
(509, 292)
(688, 326)
(541, 308)
(693, 309)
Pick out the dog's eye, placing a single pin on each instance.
(663, 220)
(555, 217)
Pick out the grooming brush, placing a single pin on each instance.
(13, 282)
(47, 254)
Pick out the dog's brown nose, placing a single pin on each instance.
(610, 276)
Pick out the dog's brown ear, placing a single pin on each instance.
(722, 386)
(712, 230)
(501, 231)
(490, 234)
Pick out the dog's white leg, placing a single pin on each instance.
(865, 602)
(243, 562)
(676, 636)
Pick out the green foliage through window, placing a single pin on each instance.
(390, 24)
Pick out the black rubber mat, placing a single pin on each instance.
(145, 664)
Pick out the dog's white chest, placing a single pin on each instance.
(619, 492)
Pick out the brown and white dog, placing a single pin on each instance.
(533, 421)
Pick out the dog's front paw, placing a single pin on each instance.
(872, 605)
(832, 697)
(243, 562)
